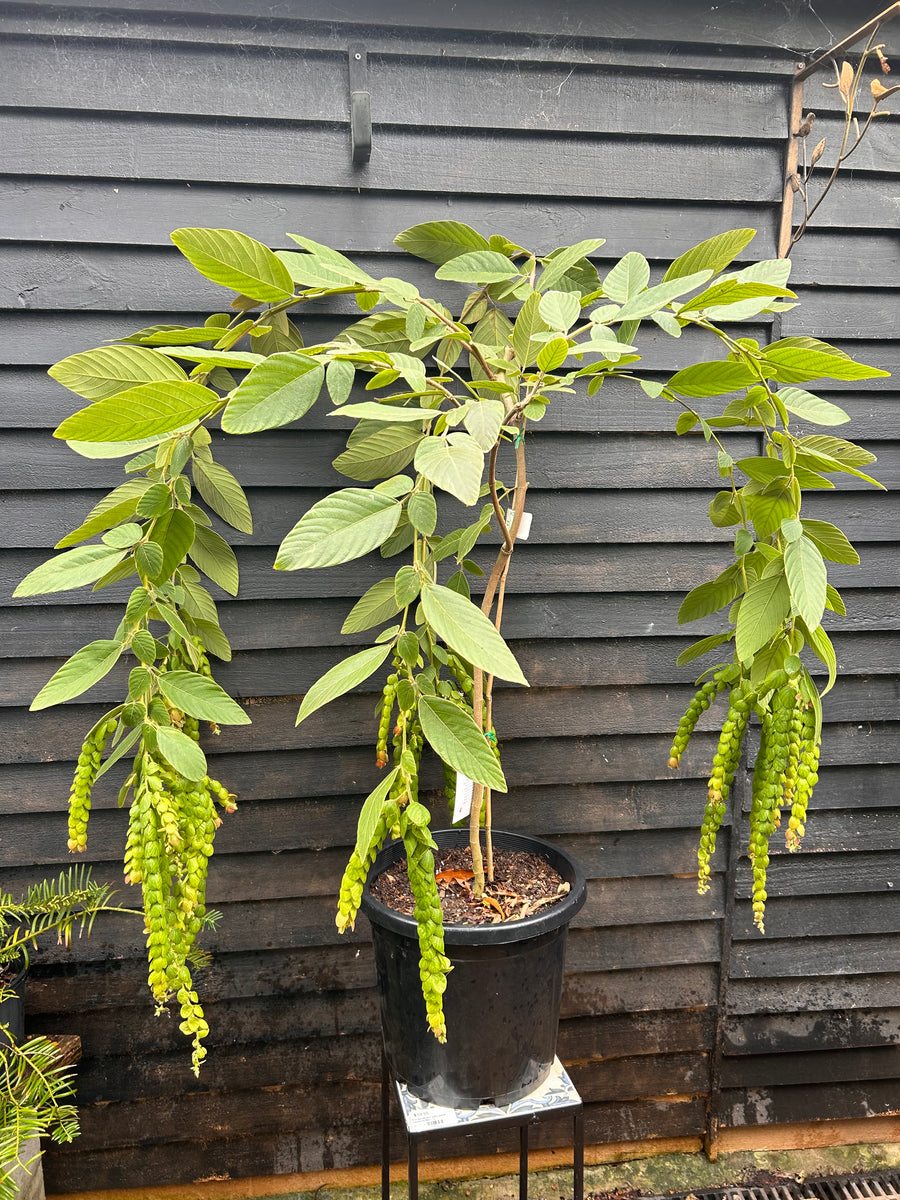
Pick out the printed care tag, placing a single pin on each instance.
(462, 805)
(524, 524)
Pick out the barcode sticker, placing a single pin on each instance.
(462, 805)
(524, 524)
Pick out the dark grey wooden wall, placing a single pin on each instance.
(655, 126)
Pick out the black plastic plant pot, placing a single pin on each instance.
(502, 998)
(12, 1009)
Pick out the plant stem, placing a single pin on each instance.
(496, 586)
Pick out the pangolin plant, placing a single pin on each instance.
(451, 390)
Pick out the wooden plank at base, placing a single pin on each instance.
(336, 1146)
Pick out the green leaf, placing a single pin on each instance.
(223, 493)
(373, 410)
(709, 597)
(375, 451)
(821, 646)
(407, 585)
(791, 364)
(831, 542)
(235, 360)
(280, 390)
(456, 738)
(182, 753)
(339, 377)
(120, 751)
(627, 278)
(73, 569)
(713, 254)
(342, 677)
(123, 537)
(121, 503)
(763, 611)
(174, 533)
(835, 601)
(156, 500)
(702, 647)
(724, 510)
(333, 257)
(149, 560)
(96, 374)
(236, 261)
(729, 292)
(812, 408)
(492, 333)
(465, 629)
(484, 420)
(807, 578)
(768, 505)
(838, 449)
(478, 266)
(440, 241)
(422, 511)
(212, 637)
(85, 668)
(375, 606)
(743, 542)
(343, 526)
(215, 558)
(655, 298)
(553, 354)
(311, 271)
(711, 379)
(201, 697)
(792, 529)
(528, 323)
(141, 412)
(454, 463)
(556, 265)
(370, 814)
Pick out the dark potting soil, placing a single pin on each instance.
(523, 884)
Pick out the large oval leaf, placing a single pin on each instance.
(74, 568)
(465, 629)
(343, 526)
(376, 605)
(85, 668)
(342, 677)
(376, 451)
(223, 494)
(236, 261)
(141, 412)
(280, 390)
(454, 463)
(96, 374)
(119, 504)
(478, 266)
(182, 753)
(762, 612)
(807, 579)
(453, 734)
(201, 697)
(439, 241)
(215, 558)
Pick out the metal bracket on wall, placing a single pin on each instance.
(360, 106)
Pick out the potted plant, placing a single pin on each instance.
(35, 1088)
(454, 385)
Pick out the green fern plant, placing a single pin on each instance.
(35, 1087)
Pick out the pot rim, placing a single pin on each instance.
(502, 933)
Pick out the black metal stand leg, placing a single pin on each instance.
(523, 1162)
(385, 1129)
(578, 1157)
(413, 1167)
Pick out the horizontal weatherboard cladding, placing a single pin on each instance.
(122, 123)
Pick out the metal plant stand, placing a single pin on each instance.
(555, 1095)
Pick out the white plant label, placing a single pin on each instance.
(462, 805)
(524, 524)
